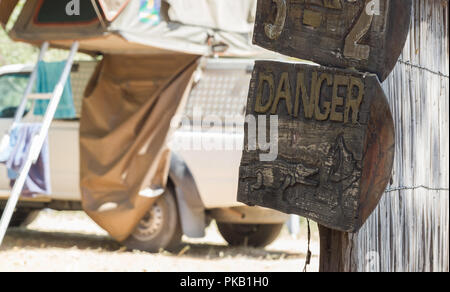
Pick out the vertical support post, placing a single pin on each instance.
(335, 250)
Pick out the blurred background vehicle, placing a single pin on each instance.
(202, 183)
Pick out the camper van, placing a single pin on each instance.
(206, 191)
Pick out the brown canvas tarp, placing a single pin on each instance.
(125, 123)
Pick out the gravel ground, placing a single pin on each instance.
(70, 241)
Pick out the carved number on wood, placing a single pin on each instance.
(273, 31)
(352, 48)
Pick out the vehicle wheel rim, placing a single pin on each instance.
(150, 226)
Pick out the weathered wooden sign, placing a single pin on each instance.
(335, 143)
(368, 35)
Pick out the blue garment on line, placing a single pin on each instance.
(38, 180)
(47, 78)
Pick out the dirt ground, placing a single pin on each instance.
(70, 241)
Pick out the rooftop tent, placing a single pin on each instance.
(188, 26)
(42, 20)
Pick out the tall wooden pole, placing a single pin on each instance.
(409, 231)
(334, 250)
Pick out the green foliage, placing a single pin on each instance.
(13, 52)
(22, 53)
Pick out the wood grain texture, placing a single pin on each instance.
(335, 249)
(335, 144)
(409, 230)
(336, 33)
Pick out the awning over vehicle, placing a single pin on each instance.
(189, 26)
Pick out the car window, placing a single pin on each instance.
(12, 88)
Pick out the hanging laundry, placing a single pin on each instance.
(48, 76)
(149, 11)
(15, 154)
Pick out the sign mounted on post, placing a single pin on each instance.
(367, 35)
(335, 143)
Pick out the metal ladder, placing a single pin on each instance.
(38, 141)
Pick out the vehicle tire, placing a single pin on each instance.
(159, 229)
(22, 218)
(254, 235)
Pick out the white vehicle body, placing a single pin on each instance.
(215, 171)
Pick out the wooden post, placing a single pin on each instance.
(409, 229)
(331, 130)
(334, 249)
